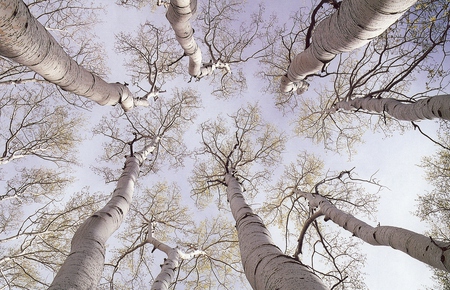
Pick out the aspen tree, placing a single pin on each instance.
(24, 40)
(352, 26)
(423, 109)
(83, 268)
(418, 246)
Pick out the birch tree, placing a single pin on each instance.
(163, 206)
(425, 249)
(179, 14)
(174, 258)
(354, 26)
(36, 229)
(168, 120)
(334, 256)
(83, 267)
(234, 36)
(26, 41)
(414, 54)
(265, 265)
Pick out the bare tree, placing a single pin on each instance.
(354, 26)
(32, 127)
(426, 249)
(26, 41)
(150, 62)
(84, 265)
(412, 56)
(34, 236)
(230, 163)
(168, 120)
(173, 222)
(335, 257)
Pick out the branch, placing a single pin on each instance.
(308, 222)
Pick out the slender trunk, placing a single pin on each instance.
(428, 108)
(265, 265)
(174, 256)
(83, 267)
(24, 40)
(420, 247)
(353, 25)
(179, 13)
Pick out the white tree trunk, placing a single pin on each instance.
(428, 108)
(83, 267)
(420, 247)
(265, 265)
(179, 13)
(352, 26)
(174, 256)
(24, 40)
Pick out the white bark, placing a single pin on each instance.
(420, 247)
(83, 267)
(174, 257)
(428, 108)
(352, 26)
(179, 12)
(24, 40)
(265, 265)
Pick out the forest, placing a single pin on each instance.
(184, 144)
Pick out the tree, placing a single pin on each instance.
(231, 158)
(168, 120)
(31, 127)
(333, 255)
(423, 109)
(240, 153)
(26, 41)
(150, 62)
(413, 51)
(434, 206)
(354, 26)
(83, 267)
(425, 249)
(174, 257)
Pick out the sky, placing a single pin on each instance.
(394, 159)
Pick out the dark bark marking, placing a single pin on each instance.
(108, 214)
(374, 236)
(15, 12)
(426, 249)
(442, 259)
(439, 113)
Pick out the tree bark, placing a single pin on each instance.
(174, 256)
(420, 247)
(83, 267)
(428, 108)
(179, 13)
(353, 25)
(265, 265)
(24, 40)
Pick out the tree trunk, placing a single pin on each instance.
(420, 247)
(352, 26)
(179, 13)
(428, 108)
(83, 267)
(265, 265)
(174, 256)
(24, 40)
